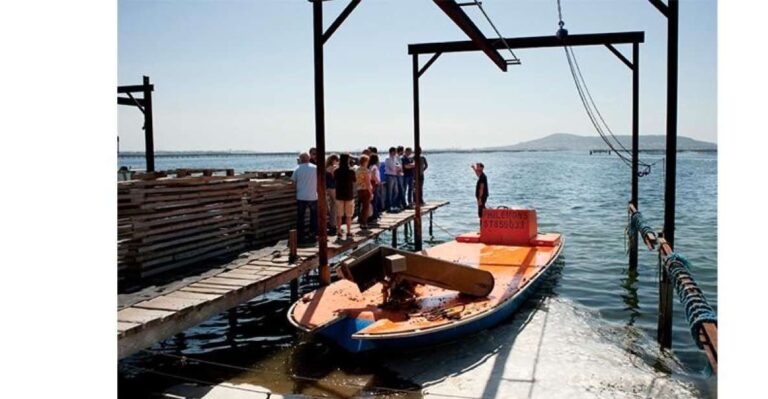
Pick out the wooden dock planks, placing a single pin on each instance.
(152, 320)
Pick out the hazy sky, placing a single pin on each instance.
(239, 74)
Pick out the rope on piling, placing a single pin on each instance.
(697, 309)
(637, 225)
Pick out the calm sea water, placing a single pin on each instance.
(579, 195)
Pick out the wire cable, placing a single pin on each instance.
(514, 59)
(593, 112)
(587, 107)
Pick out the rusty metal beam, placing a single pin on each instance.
(621, 56)
(479, 40)
(136, 102)
(591, 39)
(340, 19)
(427, 65)
(660, 6)
(134, 88)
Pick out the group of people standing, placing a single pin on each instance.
(376, 185)
(399, 170)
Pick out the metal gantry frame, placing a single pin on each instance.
(480, 43)
(145, 106)
(606, 39)
(453, 10)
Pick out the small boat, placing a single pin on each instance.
(388, 298)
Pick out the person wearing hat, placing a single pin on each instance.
(481, 189)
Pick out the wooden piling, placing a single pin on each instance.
(430, 226)
(394, 237)
(707, 333)
(232, 318)
(292, 258)
(664, 331)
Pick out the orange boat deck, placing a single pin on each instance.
(512, 266)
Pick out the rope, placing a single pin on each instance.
(637, 225)
(697, 309)
(444, 229)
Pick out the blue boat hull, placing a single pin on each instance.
(341, 331)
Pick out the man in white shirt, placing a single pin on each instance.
(305, 177)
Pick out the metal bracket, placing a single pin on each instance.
(340, 19)
(663, 8)
(620, 55)
(428, 64)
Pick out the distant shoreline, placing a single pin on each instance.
(191, 154)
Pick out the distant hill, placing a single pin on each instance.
(566, 141)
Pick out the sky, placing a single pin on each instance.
(238, 75)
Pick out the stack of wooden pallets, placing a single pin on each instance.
(271, 209)
(168, 223)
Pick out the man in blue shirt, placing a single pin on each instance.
(305, 177)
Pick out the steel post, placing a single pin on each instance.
(635, 145)
(664, 333)
(149, 131)
(322, 206)
(417, 147)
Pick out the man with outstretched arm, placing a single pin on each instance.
(481, 188)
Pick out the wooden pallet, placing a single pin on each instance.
(168, 223)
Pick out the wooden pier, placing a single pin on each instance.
(191, 302)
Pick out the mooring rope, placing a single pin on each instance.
(697, 309)
(637, 225)
(450, 234)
